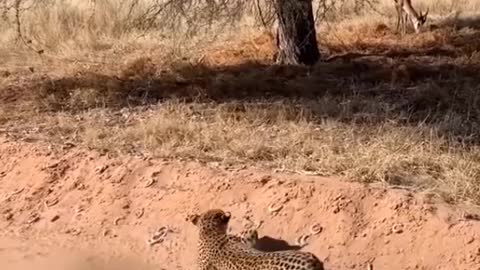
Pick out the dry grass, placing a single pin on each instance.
(407, 115)
(279, 135)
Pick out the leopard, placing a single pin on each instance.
(247, 237)
(218, 250)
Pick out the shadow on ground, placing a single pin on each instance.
(438, 85)
(270, 244)
(457, 20)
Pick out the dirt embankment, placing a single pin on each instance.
(75, 200)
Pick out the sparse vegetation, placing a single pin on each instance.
(114, 76)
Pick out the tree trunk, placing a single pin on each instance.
(296, 35)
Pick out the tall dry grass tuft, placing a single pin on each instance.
(65, 27)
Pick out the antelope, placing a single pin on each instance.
(416, 19)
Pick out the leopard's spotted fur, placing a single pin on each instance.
(218, 250)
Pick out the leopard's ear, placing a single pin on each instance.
(193, 219)
(227, 216)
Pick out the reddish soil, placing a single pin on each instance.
(55, 205)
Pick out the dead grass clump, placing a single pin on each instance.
(87, 90)
(140, 68)
(258, 47)
(284, 135)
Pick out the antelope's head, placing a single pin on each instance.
(422, 19)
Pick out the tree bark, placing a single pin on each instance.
(296, 35)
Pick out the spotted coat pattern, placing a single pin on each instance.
(218, 250)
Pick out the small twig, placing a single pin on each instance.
(17, 191)
(19, 28)
(94, 8)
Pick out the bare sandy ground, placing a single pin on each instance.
(62, 207)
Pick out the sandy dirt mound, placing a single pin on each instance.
(78, 202)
